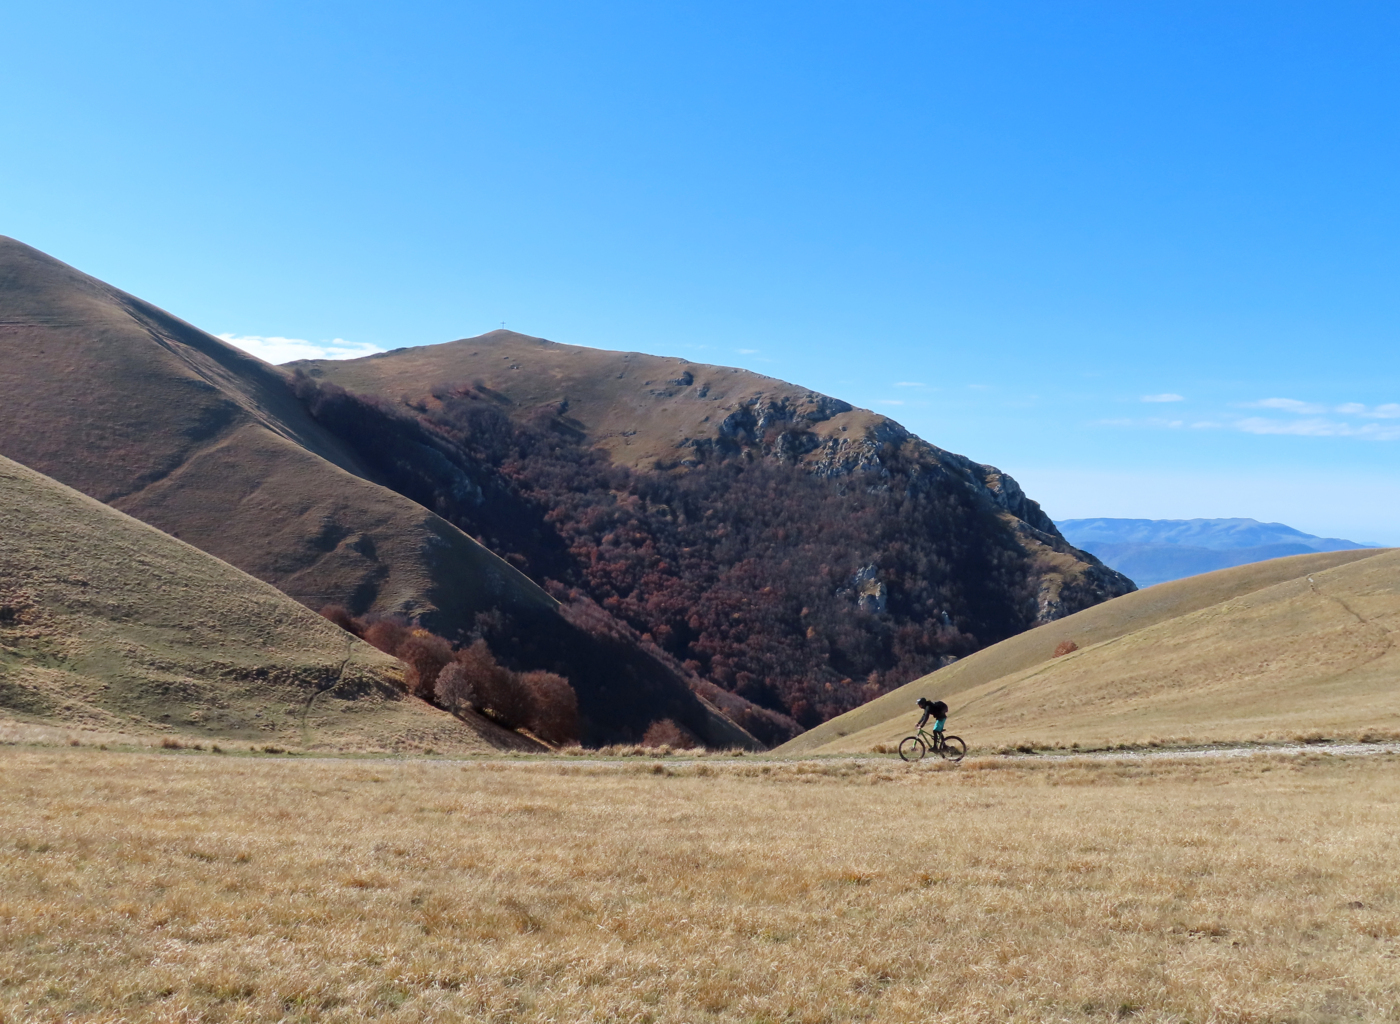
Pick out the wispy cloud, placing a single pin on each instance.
(1158, 422)
(284, 350)
(909, 384)
(1320, 420)
(747, 351)
(1168, 397)
(890, 401)
(1317, 426)
(1389, 411)
(1288, 405)
(1303, 419)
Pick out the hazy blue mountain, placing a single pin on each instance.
(1152, 551)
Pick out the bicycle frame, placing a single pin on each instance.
(932, 740)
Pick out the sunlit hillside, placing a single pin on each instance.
(108, 625)
(1283, 648)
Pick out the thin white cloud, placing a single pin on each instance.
(1389, 411)
(1308, 426)
(1168, 397)
(1318, 427)
(909, 384)
(284, 350)
(890, 401)
(747, 351)
(1152, 421)
(1288, 405)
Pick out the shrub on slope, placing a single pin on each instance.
(471, 679)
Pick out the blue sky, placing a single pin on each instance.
(1142, 256)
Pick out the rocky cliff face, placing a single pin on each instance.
(798, 427)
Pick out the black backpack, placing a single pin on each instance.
(939, 709)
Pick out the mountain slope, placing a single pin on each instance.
(117, 398)
(1152, 551)
(799, 552)
(140, 410)
(108, 623)
(1276, 648)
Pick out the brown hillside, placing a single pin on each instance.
(800, 553)
(138, 409)
(107, 623)
(128, 404)
(660, 412)
(1274, 649)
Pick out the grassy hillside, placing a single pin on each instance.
(140, 410)
(1284, 647)
(134, 407)
(799, 552)
(108, 624)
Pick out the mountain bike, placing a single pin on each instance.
(913, 748)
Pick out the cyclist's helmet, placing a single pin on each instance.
(924, 704)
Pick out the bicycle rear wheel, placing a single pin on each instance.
(953, 748)
(911, 748)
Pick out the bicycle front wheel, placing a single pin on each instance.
(953, 748)
(911, 748)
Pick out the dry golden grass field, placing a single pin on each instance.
(184, 887)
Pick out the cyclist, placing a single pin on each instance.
(913, 748)
(934, 709)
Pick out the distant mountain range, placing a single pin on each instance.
(1152, 551)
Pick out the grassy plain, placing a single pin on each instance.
(180, 887)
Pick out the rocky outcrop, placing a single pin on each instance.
(788, 428)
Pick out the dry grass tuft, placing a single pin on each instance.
(149, 887)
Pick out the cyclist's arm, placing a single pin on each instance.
(923, 721)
